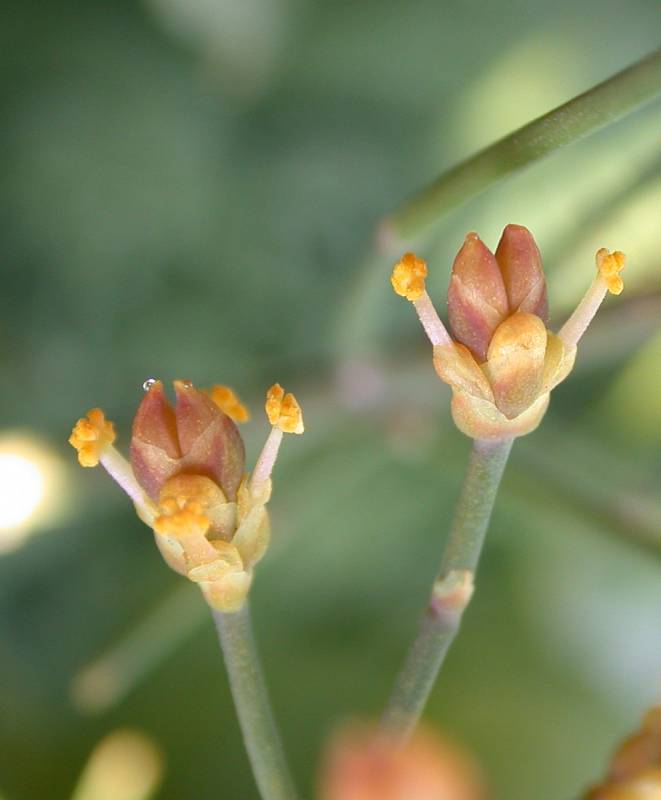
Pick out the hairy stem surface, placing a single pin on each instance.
(451, 590)
(253, 708)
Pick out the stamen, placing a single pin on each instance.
(267, 459)
(90, 435)
(228, 402)
(183, 519)
(283, 410)
(408, 276)
(284, 413)
(431, 322)
(609, 266)
(93, 437)
(408, 280)
(607, 279)
(121, 472)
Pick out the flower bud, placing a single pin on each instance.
(363, 764)
(502, 362)
(193, 437)
(186, 479)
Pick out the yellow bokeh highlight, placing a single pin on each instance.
(31, 482)
(22, 487)
(126, 765)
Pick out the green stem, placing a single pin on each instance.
(601, 105)
(253, 708)
(452, 588)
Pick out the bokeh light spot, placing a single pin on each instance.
(22, 489)
(31, 487)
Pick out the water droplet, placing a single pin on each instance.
(187, 384)
(148, 384)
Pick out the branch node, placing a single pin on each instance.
(452, 592)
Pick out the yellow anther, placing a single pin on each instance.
(609, 266)
(188, 505)
(228, 402)
(283, 410)
(180, 522)
(90, 435)
(408, 276)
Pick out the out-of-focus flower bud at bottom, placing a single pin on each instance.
(635, 769)
(361, 764)
(646, 786)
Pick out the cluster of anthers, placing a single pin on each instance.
(501, 360)
(187, 481)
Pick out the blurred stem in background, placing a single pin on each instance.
(452, 588)
(599, 106)
(588, 112)
(253, 708)
(105, 681)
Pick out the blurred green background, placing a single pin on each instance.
(189, 188)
